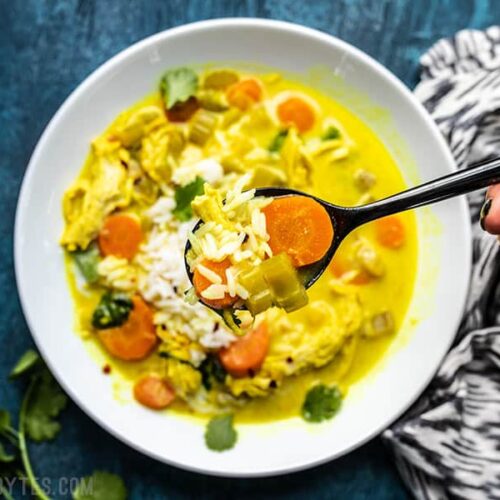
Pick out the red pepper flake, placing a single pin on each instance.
(106, 369)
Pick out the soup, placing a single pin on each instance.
(130, 211)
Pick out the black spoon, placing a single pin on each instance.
(346, 219)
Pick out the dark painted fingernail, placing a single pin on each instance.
(484, 212)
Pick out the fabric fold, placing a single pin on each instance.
(448, 444)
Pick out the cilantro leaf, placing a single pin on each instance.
(178, 85)
(5, 420)
(321, 403)
(45, 403)
(87, 261)
(220, 434)
(184, 195)
(7, 432)
(211, 370)
(27, 361)
(100, 485)
(277, 142)
(4, 456)
(112, 310)
(330, 133)
(232, 321)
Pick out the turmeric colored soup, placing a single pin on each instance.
(333, 182)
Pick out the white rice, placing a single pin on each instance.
(208, 169)
(163, 280)
(196, 356)
(161, 212)
(231, 282)
(242, 292)
(209, 274)
(117, 273)
(214, 292)
(245, 241)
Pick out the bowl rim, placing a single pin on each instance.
(117, 59)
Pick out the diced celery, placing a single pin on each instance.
(260, 302)
(220, 79)
(252, 280)
(295, 301)
(260, 297)
(274, 282)
(202, 127)
(383, 323)
(364, 179)
(213, 100)
(281, 276)
(370, 259)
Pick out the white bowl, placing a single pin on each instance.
(445, 249)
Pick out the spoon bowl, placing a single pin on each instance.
(346, 219)
(341, 218)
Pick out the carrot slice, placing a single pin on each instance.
(244, 93)
(390, 232)
(136, 338)
(120, 236)
(201, 283)
(296, 111)
(300, 227)
(154, 392)
(246, 355)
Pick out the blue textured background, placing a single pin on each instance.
(46, 49)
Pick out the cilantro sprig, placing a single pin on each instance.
(184, 195)
(331, 133)
(178, 85)
(278, 140)
(113, 310)
(42, 404)
(212, 372)
(100, 485)
(25, 363)
(87, 262)
(220, 434)
(322, 402)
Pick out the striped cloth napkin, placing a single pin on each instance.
(448, 444)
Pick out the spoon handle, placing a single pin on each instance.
(478, 176)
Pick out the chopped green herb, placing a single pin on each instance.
(184, 195)
(212, 371)
(330, 133)
(232, 321)
(167, 355)
(277, 142)
(113, 310)
(44, 405)
(42, 402)
(87, 261)
(178, 85)
(190, 296)
(29, 359)
(321, 403)
(100, 486)
(220, 434)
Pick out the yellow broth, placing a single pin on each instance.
(333, 183)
